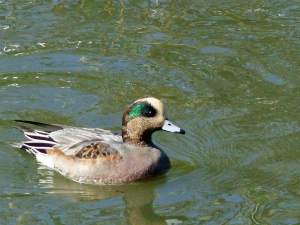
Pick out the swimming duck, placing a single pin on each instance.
(94, 155)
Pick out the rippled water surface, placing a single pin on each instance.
(228, 73)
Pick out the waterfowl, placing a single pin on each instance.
(94, 155)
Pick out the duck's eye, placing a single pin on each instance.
(142, 109)
(150, 113)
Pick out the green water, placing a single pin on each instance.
(228, 73)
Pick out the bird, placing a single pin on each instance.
(95, 155)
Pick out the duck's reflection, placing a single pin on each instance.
(138, 197)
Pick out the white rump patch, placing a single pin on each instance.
(44, 159)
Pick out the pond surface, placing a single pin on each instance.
(228, 73)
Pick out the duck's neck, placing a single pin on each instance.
(141, 140)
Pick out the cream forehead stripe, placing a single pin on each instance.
(154, 102)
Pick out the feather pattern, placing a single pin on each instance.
(69, 140)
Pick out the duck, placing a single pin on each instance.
(95, 155)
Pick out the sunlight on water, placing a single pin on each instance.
(227, 73)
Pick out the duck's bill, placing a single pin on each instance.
(168, 126)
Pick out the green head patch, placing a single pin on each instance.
(141, 109)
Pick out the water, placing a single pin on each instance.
(226, 71)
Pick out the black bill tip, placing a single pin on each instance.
(181, 131)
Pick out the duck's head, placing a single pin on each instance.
(142, 118)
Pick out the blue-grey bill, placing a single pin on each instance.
(168, 126)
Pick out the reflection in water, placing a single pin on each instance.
(228, 69)
(138, 197)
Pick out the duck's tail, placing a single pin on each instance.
(39, 141)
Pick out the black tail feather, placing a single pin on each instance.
(24, 129)
(39, 141)
(44, 125)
